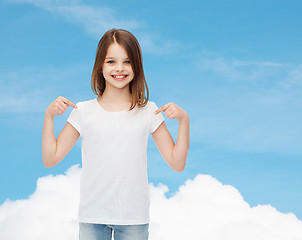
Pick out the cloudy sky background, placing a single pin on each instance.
(235, 67)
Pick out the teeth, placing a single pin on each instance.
(119, 76)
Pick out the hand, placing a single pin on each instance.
(59, 106)
(171, 110)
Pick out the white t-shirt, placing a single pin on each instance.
(114, 185)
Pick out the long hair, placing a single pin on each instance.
(128, 41)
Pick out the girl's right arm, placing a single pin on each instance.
(53, 150)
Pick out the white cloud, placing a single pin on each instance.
(49, 213)
(95, 20)
(294, 79)
(237, 69)
(32, 89)
(157, 44)
(251, 106)
(203, 208)
(46, 4)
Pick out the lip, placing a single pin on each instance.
(119, 79)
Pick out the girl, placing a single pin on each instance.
(114, 192)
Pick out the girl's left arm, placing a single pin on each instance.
(174, 154)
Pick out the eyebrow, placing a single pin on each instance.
(113, 58)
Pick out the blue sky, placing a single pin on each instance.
(234, 66)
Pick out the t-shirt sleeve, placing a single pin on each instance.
(154, 120)
(75, 118)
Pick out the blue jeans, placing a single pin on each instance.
(93, 231)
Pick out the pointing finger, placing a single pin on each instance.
(163, 108)
(69, 102)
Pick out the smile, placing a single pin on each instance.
(119, 77)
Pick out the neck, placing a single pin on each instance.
(116, 96)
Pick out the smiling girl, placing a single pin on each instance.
(114, 190)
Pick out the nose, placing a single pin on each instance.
(119, 67)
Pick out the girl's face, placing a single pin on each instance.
(117, 69)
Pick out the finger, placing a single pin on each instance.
(62, 109)
(172, 116)
(63, 104)
(68, 102)
(169, 111)
(163, 108)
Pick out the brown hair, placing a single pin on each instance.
(128, 41)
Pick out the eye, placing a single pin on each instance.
(110, 61)
(128, 62)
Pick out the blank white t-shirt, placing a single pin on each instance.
(114, 185)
